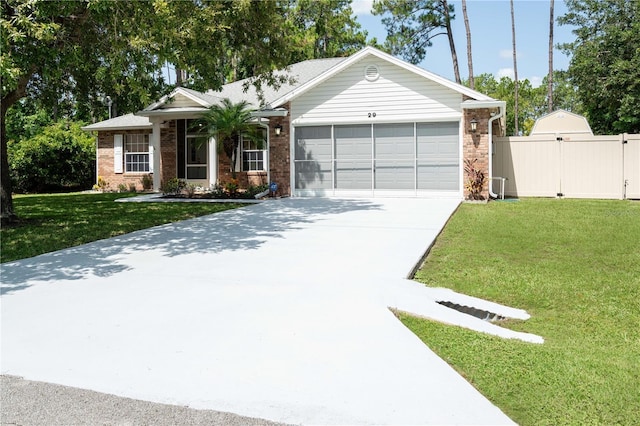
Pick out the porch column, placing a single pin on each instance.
(155, 144)
(213, 162)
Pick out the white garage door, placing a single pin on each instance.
(397, 159)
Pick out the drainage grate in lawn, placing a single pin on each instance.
(470, 310)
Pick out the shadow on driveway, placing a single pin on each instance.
(238, 229)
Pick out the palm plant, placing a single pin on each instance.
(228, 121)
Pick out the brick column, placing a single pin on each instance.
(280, 153)
(476, 146)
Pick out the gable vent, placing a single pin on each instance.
(371, 73)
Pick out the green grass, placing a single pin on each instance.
(53, 222)
(574, 265)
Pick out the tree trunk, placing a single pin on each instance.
(469, 55)
(7, 214)
(550, 76)
(515, 71)
(454, 56)
(6, 200)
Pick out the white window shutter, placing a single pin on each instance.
(150, 158)
(117, 153)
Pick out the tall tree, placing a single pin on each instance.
(412, 26)
(84, 51)
(452, 46)
(550, 74)
(323, 29)
(469, 52)
(605, 62)
(515, 70)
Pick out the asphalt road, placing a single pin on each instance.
(29, 403)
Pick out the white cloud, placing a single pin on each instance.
(508, 54)
(535, 81)
(362, 7)
(506, 72)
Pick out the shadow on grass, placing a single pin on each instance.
(238, 229)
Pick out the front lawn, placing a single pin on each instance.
(574, 265)
(56, 221)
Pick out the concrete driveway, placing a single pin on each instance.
(277, 310)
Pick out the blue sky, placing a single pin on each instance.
(490, 22)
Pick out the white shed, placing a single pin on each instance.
(561, 122)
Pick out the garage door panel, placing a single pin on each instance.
(313, 175)
(353, 174)
(313, 153)
(437, 140)
(313, 143)
(353, 142)
(394, 174)
(433, 177)
(394, 141)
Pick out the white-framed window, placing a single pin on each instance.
(252, 156)
(136, 153)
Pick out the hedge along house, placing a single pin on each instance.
(365, 125)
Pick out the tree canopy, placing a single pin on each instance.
(605, 62)
(412, 26)
(70, 55)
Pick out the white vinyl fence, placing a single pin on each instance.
(569, 166)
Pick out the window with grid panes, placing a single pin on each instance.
(136, 153)
(252, 157)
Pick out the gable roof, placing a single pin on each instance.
(371, 51)
(123, 122)
(307, 75)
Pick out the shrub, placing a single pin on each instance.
(122, 187)
(190, 189)
(61, 156)
(102, 185)
(474, 180)
(147, 182)
(254, 190)
(173, 186)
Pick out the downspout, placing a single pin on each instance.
(490, 135)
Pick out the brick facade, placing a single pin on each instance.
(105, 158)
(168, 152)
(476, 145)
(280, 153)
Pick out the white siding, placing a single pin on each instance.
(397, 95)
(181, 101)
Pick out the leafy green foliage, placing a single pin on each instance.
(173, 186)
(412, 25)
(228, 121)
(475, 179)
(533, 102)
(61, 156)
(574, 265)
(323, 29)
(605, 62)
(70, 55)
(54, 222)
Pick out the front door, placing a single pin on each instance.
(196, 159)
